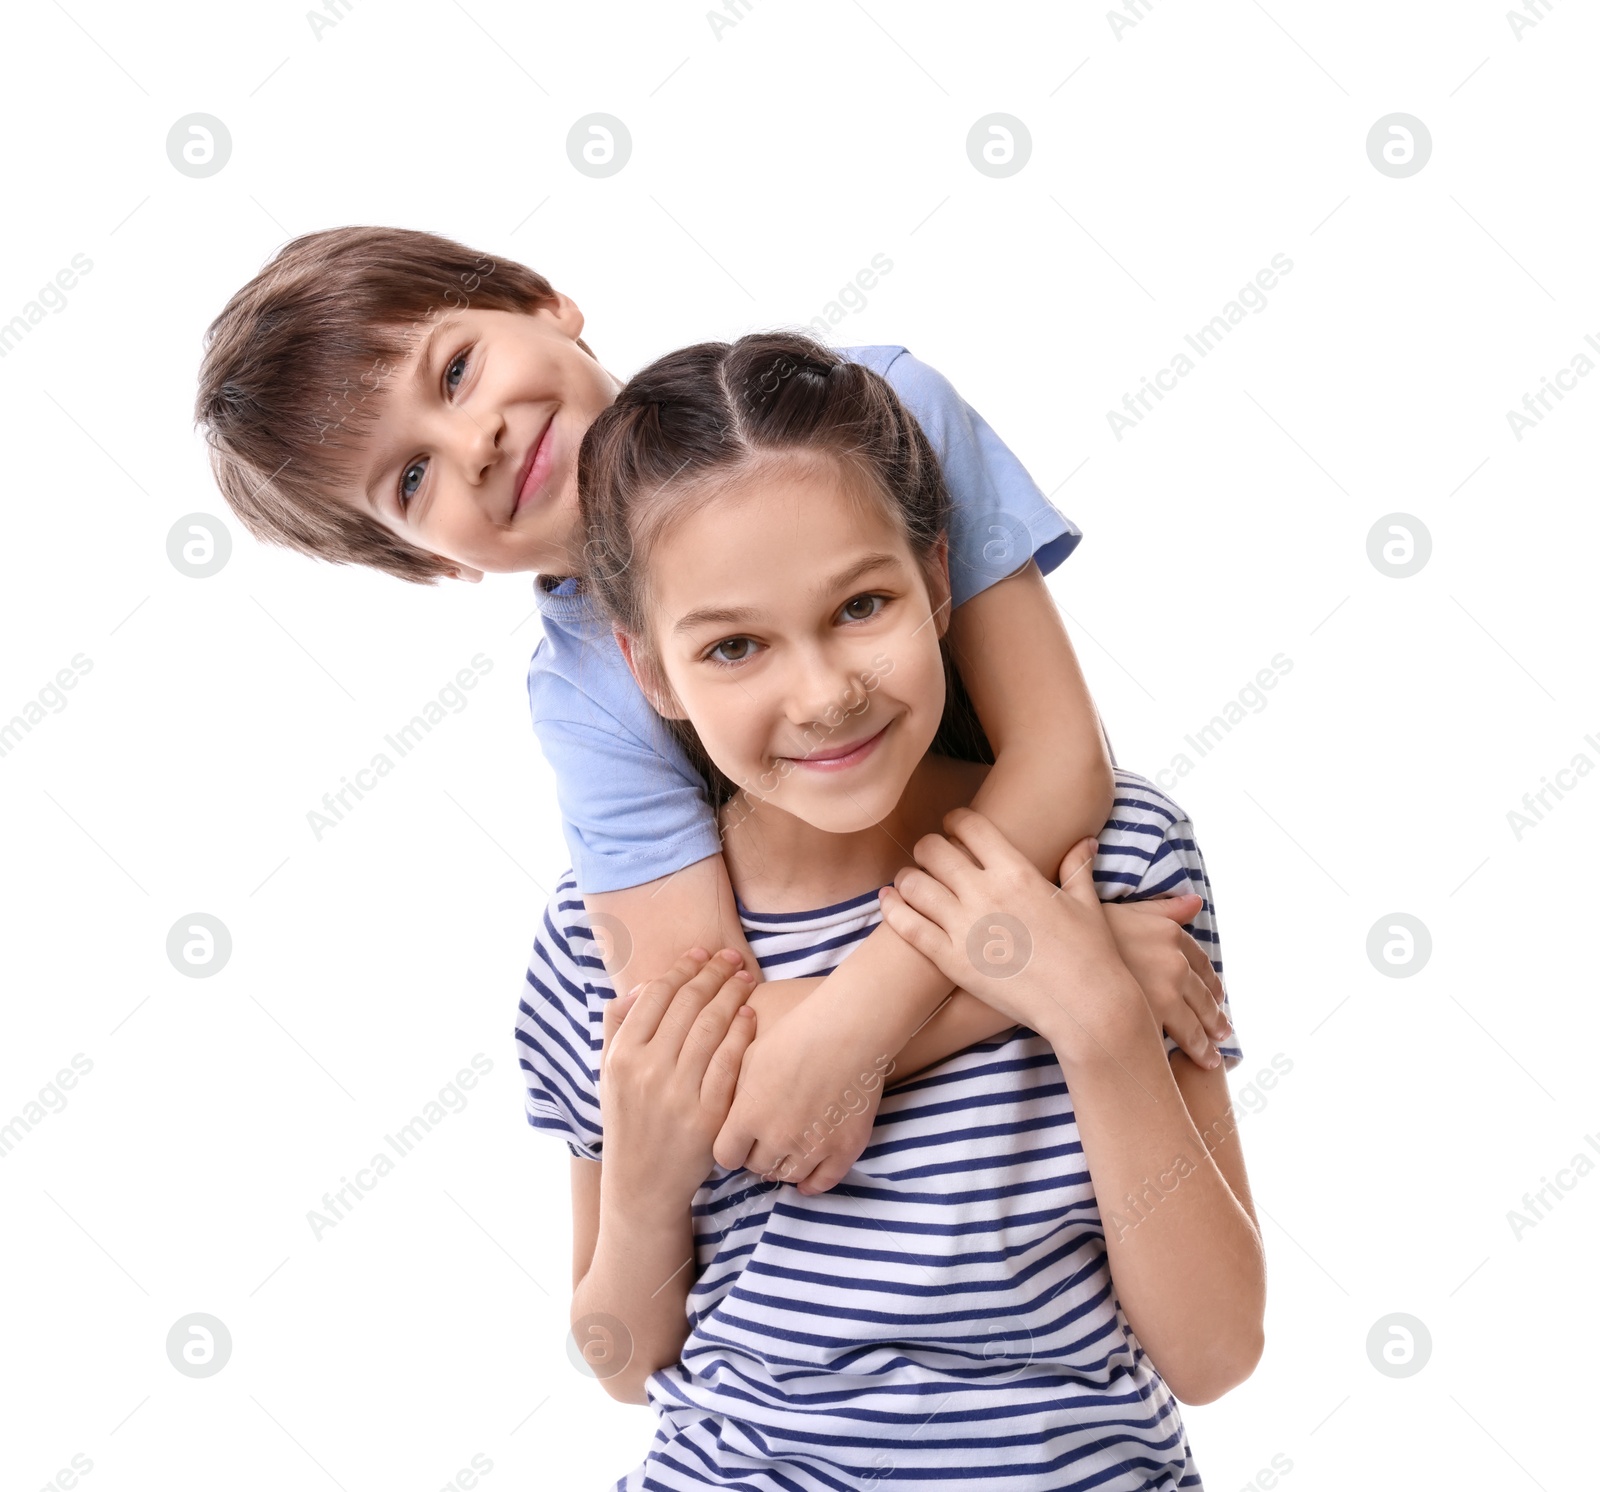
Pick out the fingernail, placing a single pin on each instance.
(635, 990)
(728, 956)
(697, 953)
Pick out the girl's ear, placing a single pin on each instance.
(651, 685)
(936, 571)
(466, 572)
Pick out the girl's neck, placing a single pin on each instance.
(780, 863)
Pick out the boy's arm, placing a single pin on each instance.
(1051, 785)
(644, 930)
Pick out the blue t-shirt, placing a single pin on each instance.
(943, 1318)
(633, 807)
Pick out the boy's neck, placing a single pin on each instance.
(780, 863)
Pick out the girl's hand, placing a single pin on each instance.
(1048, 960)
(669, 1062)
(1180, 986)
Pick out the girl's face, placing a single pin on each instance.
(800, 636)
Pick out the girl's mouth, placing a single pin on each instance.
(839, 758)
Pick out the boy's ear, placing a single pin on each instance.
(563, 310)
(654, 688)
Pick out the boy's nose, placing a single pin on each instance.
(480, 442)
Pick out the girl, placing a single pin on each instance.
(768, 536)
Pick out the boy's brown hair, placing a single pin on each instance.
(292, 364)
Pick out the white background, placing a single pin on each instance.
(1169, 163)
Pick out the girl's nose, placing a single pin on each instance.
(824, 694)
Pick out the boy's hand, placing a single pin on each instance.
(1048, 960)
(1179, 984)
(805, 1107)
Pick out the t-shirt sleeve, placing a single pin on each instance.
(999, 518)
(1149, 850)
(559, 1018)
(633, 808)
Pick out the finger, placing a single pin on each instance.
(611, 1016)
(1077, 871)
(1179, 909)
(912, 927)
(655, 995)
(1207, 1016)
(983, 838)
(712, 1023)
(824, 1178)
(678, 1020)
(1183, 1025)
(721, 1078)
(1204, 972)
(1207, 1007)
(949, 862)
(731, 1148)
(930, 896)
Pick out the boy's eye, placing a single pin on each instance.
(408, 488)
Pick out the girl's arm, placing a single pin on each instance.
(632, 1270)
(1158, 1138)
(667, 1070)
(1181, 1234)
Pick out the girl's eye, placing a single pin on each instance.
(460, 362)
(742, 647)
(408, 489)
(876, 603)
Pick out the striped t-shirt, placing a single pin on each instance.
(945, 1315)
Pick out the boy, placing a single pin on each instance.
(387, 397)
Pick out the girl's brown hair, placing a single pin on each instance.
(701, 417)
(293, 369)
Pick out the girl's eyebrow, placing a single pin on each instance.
(733, 615)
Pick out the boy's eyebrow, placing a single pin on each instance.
(419, 381)
(736, 614)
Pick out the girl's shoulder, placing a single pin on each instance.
(560, 1013)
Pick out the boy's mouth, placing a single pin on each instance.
(535, 469)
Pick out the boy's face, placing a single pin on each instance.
(474, 454)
